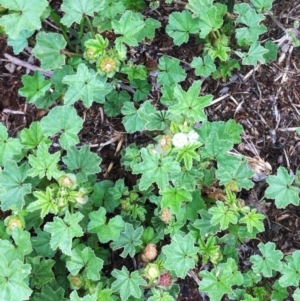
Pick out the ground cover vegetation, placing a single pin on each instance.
(176, 209)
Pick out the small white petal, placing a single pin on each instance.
(192, 136)
(180, 140)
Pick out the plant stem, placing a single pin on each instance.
(69, 53)
(55, 18)
(90, 26)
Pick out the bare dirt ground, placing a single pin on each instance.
(265, 100)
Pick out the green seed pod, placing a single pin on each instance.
(12, 222)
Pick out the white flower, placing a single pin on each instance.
(180, 140)
(192, 136)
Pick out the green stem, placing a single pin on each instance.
(214, 35)
(90, 26)
(81, 27)
(69, 53)
(55, 18)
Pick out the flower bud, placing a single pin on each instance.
(82, 197)
(12, 222)
(165, 280)
(68, 181)
(76, 281)
(149, 253)
(166, 215)
(152, 271)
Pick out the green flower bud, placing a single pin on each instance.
(76, 281)
(108, 66)
(152, 271)
(68, 181)
(82, 197)
(12, 222)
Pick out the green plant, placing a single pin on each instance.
(63, 223)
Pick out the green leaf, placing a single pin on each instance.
(34, 86)
(180, 254)
(249, 17)
(173, 198)
(142, 89)
(44, 164)
(19, 249)
(225, 69)
(219, 50)
(209, 250)
(45, 202)
(148, 31)
(159, 295)
(130, 156)
(128, 284)
(187, 154)
(114, 101)
(221, 214)
(57, 77)
(253, 220)
(115, 195)
(128, 240)
(189, 103)
(83, 161)
(132, 121)
(279, 293)
(63, 231)
(97, 46)
(14, 278)
(170, 71)
(262, 5)
(273, 51)
(22, 15)
(269, 261)
(204, 225)
(20, 42)
(255, 53)
(32, 137)
(291, 270)
(85, 85)
(181, 24)
(75, 10)
(167, 97)
(158, 120)
(49, 294)
(215, 147)
(85, 262)
(203, 67)
(105, 231)
(196, 6)
(296, 294)
(219, 281)
(135, 71)
(111, 8)
(41, 243)
(65, 121)
(128, 25)
(186, 178)
(211, 18)
(9, 147)
(48, 50)
(13, 179)
(281, 190)
(41, 271)
(229, 131)
(155, 169)
(234, 172)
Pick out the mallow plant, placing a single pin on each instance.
(67, 232)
